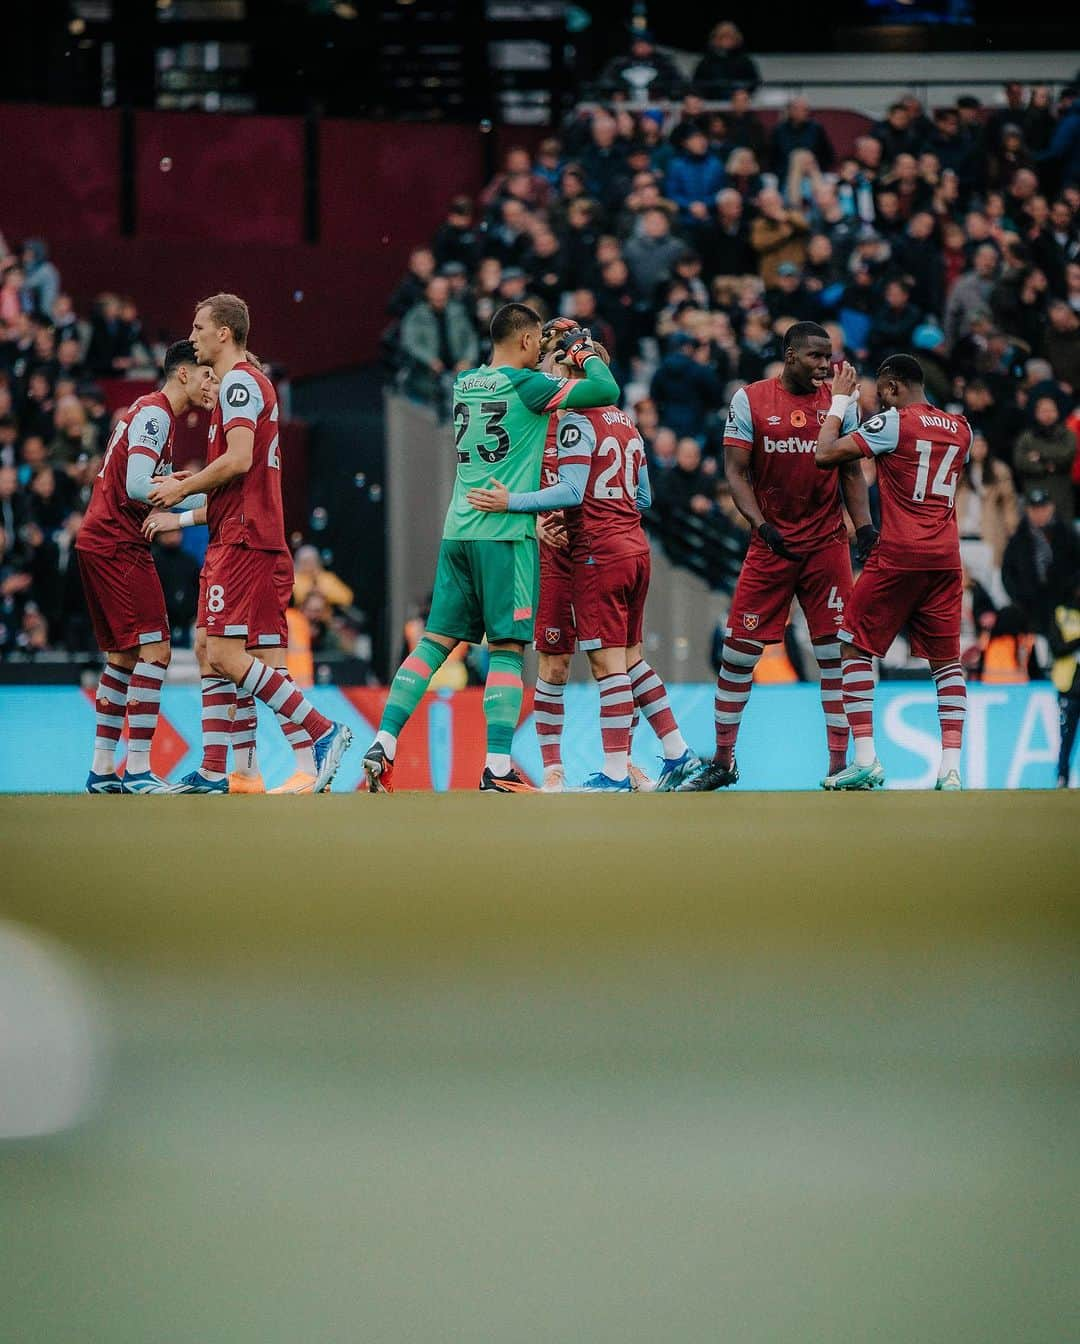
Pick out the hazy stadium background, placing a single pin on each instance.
(753, 1068)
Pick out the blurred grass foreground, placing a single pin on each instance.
(744, 1068)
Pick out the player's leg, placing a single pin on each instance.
(454, 608)
(1069, 708)
(608, 666)
(650, 693)
(552, 676)
(505, 578)
(143, 709)
(934, 627)
(233, 593)
(879, 605)
(554, 639)
(218, 713)
(824, 589)
(110, 706)
(757, 617)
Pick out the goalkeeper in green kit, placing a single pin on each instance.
(487, 576)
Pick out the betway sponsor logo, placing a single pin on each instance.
(792, 445)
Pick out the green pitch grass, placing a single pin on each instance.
(740, 1067)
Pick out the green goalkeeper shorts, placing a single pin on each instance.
(485, 588)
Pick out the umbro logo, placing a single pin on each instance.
(774, 419)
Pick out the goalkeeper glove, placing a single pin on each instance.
(773, 538)
(576, 347)
(866, 538)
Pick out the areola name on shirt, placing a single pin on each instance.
(485, 382)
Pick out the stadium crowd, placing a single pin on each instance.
(688, 237)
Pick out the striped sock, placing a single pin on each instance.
(245, 727)
(548, 715)
(858, 677)
(733, 683)
(278, 690)
(408, 688)
(218, 713)
(110, 704)
(832, 703)
(651, 697)
(633, 728)
(143, 707)
(952, 710)
(302, 746)
(503, 692)
(616, 715)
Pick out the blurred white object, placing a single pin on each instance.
(51, 1037)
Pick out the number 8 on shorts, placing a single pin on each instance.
(215, 598)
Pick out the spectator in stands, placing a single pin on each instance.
(1041, 562)
(12, 296)
(548, 269)
(745, 128)
(645, 72)
(1038, 119)
(694, 178)
(725, 66)
(109, 355)
(789, 297)
(617, 303)
(1011, 114)
(686, 487)
(1044, 454)
(685, 390)
(799, 130)
(67, 324)
(1064, 148)
(918, 254)
(777, 235)
(894, 323)
(1018, 303)
(743, 173)
(438, 341)
(971, 293)
(725, 244)
(509, 238)
(645, 195)
(1012, 154)
(1063, 344)
(549, 161)
(41, 281)
(987, 510)
(895, 134)
(604, 162)
(519, 178)
(652, 252)
(75, 438)
(312, 576)
(455, 240)
(955, 151)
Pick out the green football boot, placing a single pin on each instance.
(856, 777)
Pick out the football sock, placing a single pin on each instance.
(110, 704)
(633, 727)
(279, 691)
(832, 703)
(548, 715)
(952, 710)
(733, 684)
(616, 714)
(297, 738)
(408, 688)
(143, 707)
(245, 725)
(651, 698)
(503, 692)
(858, 674)
(218, 712)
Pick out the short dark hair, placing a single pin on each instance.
(180, 352)
(801, 332)
(905, 369)
(512, 318)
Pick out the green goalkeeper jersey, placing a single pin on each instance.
(500, 424)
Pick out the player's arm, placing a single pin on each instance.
(147, 435)
(576, 441)
(165, 520)
(644, 488)
(543, 394)
(738, 445)
(835, 445)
